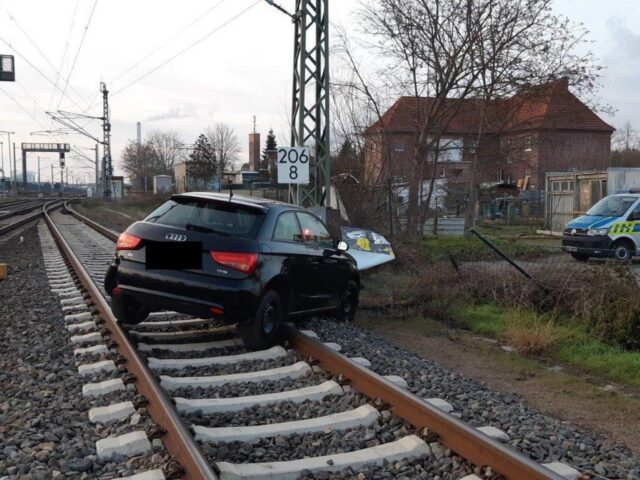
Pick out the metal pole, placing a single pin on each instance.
(61, 179)
(24, 170)
(15, 168)
(38, 172)
(2, 156)
(97, 174)
(52, 177)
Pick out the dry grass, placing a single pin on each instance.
(531, 334)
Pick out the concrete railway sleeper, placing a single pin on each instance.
(308, 402)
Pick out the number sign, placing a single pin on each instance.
(293, 165)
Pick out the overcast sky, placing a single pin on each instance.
(242, 69)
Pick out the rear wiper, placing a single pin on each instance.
(198, 228)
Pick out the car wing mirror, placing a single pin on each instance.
(342, 246)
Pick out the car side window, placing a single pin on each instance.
(635, 213)
(313, 231)
(287, 228)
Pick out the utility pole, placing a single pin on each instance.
(97, 171)
(15, 169)
(8, 134)
(310, 105)
(38, 172)
(52, 177)
(310, 96)
(106, 140)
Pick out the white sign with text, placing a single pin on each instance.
(293, 165)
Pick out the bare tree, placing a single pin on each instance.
(225, 143)
(451, 55)
(626, 137)
(138, 163)
(167, 149)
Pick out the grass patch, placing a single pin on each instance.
(532, 333)
(439, 249)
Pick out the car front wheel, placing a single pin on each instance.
(263, 330)
(346, 311)
(622, 251)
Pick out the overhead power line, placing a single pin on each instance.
(42, 74)
(188, 47)
(75, 59)
(163, 44)
(64, 53)
(38, 49)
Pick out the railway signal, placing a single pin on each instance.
(7, 68)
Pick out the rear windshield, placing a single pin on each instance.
(209, 217)
(612, 206)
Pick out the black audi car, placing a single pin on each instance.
(245, 260)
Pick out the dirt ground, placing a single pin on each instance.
(555, 389)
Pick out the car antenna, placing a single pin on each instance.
(230, 190)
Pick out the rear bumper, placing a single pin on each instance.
(189, 293)
(597, 246)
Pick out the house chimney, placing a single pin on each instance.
(564, 83)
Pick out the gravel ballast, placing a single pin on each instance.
(541, 437)
(44, 426)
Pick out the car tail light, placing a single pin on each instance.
(126, 241)
(243, 262)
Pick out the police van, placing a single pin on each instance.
(611, 228)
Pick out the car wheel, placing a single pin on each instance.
(128, 312)
(264, 329)
(580, 257)
(346, 311)
(622, 252)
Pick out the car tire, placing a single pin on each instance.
(581, 257)
(128, 312)
(622, 251)
(346, 311)
(263, 330)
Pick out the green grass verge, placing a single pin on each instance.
(575, 345)
(472, 249)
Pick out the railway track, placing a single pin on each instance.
(19, 215)
(301, 410)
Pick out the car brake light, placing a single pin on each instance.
(126, 241)
(243, 262)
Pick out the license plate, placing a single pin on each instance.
(570, 249)
(173, 255)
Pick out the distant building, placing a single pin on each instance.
(546, 129)
(254, 151)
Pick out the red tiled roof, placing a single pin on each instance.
(550, 106)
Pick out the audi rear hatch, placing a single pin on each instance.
(188, 237)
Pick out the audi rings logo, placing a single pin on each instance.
(175, 237)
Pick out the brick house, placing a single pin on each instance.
(544, 129)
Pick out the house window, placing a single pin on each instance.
(555, 186)
(442, 173)
(398, 147)
(450, 149)
(528, 143)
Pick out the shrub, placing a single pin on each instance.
(531, 334)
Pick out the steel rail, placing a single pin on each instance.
(454, 434)
(107, 232)
(177, 439)
(23, 221)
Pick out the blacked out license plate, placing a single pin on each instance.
(173, 255)
(570, 249)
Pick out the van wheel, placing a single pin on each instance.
(582, 257)
(263, 330)
(346, 311)
(128, 312)
(622, 251)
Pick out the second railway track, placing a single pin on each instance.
(300, 410)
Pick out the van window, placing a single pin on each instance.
(614, 206)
